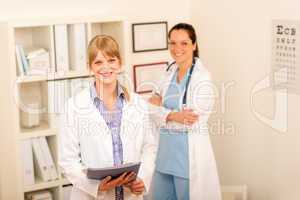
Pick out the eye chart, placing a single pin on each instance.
(285, 55)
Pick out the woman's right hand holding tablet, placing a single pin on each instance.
(108, 184)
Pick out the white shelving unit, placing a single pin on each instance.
(38, 32)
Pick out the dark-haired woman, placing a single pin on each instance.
(185, 163)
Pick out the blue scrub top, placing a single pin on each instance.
(173, 152)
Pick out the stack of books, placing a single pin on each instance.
(33, 61)
(70, 46)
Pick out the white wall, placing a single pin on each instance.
(235, 44)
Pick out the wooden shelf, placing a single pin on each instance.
(41, 130)
(49, 132)
(53, 76)
(42, 185)
(65, 181)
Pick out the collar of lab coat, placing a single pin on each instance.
(94, 96)
(84, 101)
(199, 73)
(174, 68)
(83, 106)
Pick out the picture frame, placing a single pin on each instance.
(146, 77)
(150, 36)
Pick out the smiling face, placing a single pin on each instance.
(104, 59)
(181, 46)
(105, 68)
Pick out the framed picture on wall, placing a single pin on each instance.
(150, 36)
(146, 77)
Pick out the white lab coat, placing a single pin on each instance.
(85, 141)
(204, 180)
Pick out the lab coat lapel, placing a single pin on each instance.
(126, 129)
(97, 117)
(101, 127)
(168, 77)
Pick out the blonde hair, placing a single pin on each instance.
(109, 47)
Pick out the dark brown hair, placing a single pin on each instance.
(190, 31)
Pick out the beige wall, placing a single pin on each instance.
(234, 38)
(235, 43)
(130, 8)
(133, 10)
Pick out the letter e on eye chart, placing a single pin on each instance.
(285, 52)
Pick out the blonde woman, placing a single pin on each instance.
(104, 125)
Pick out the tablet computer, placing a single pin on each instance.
(114, 172)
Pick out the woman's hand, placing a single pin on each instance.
(155, 99)
(137, 186)
(185, 116)
(108, 184)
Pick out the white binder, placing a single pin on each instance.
(51, 104)
(27, 156)
(61, 48)
(19, 61)
(77, 47)
(39, 161)
(48, 157)
(24, 60)
(58, 94)
(62, 95)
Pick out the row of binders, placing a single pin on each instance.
(38, 162)
(70, 47)
(58, 92)
(70, 43)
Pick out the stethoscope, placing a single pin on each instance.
(187, 82)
